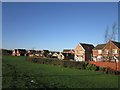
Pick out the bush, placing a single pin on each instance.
(92, 67)
(60, 63)
(110, 71)
(103, 68)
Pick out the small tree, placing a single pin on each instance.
(45, 53)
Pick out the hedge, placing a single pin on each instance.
(70, 64)
(60, 63)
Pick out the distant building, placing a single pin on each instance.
(19, 52)
(30, 53)
(68, 51)
(5, 52)
(45, 53)
(66, 56)
(55, 55)
(38, 53)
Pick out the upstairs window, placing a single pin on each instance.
(76, 51)
(106, 51)
(99, 51)
(81, 51)
(114, 51)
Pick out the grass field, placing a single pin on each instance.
(19, 73)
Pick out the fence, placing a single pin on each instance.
(112, 65)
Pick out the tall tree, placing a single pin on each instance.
(113, 35)
(106, 37)
(114, 32)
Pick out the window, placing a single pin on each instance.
(106, 51)
(81, 51)
(76, 51)
(114, 51)
(99, 51)
(99, 58)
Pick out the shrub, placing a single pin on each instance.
(92, 67)
(102, 68)
(60, 63)
(110, 71)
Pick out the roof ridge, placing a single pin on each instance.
(115, 41)
(87, 44)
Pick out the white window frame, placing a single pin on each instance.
(81, 51)
(114, 51)
(99, 51)
(106, 51)
(76, 51)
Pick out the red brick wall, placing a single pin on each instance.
(112, 65)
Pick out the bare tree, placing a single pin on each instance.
(112, 36)
(106, 37)
(109, 37)
(114, 32)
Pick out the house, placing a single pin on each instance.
(45, 53)
(31, 51)
(83, 52)
(68, 51)
(61, 56)
(5, 52)
(19, 52)
(55, 55)
(111, 51)
(38, 53)
(97, 52)
(66, 56)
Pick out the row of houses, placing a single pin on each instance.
(67, 54)
(83, 52)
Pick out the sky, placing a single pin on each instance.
(56, 25)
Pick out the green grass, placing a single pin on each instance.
(19, 73)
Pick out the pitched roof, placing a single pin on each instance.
(67, 50)
(32, 50)
(87, 47)
(99, 46)
(117, 44)
(21, 50)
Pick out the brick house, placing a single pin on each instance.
(68, 54)
(97, 52)
(111, 51)
(5, 52)
(68, 51)
(55, 55)
(19, 52)
(83, 52)
(31, 53)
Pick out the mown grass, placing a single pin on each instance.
(19, 73)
